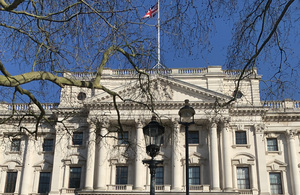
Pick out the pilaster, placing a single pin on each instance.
(176, 167)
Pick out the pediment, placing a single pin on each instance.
(163, 89)
(43, 165)
(276, 165)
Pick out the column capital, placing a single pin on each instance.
(175, 122)
(139, 122)
(291, 133)
(259, 128)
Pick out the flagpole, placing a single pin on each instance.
(158, 35)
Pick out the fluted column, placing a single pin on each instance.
(102, 156)
(294, 171)
(140, 149)
(226, 156)
(215, 173)
(261, 159)
(176, 167)
(27, 171)
(90, 159)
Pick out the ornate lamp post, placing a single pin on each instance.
(186, 118)
(153, 133)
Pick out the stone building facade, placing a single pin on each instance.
(248, 146)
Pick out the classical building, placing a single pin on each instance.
(247, 146)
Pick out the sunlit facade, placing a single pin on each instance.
(243, 147)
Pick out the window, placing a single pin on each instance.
(11, 179)
(44, 182)
(275, 183)
(75, 175)
(243, 181)
(272, 144)
(48, 145)
(123, 137)
(159, 176)
(81, 96)
(15, 145)
(194, 175)
(122, 173)
(193, 137)
(240, 137)
(77, 138)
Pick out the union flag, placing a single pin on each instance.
(152, 11)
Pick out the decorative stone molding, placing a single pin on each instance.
(259, 128)
(291, 133)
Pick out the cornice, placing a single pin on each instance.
(282, 117)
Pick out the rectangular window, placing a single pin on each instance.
(272, 144)
(77, 138)
(243, 180)
(15, 145)
(159, 176)
(122, 174)
(48, 145)
(75, 175)
(194, 175)
(44, 182)
(11, 179)
(193, 137)
(275, 183)
(123, 137)
(240, 137)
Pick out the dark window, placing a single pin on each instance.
(159, 176)
(243, 180)
(275, 183)
(15, 145)
(240, 137)
(48, 145)
(81, 96)
(75, 175)
(44, 183)
(11, 179)
(123, 137)
(194, 175)
(122, 174)
(193, 137)
(272, 144)
(77, 138)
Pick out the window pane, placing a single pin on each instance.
(48, 145)
(44, 183)
(194, 175)
(121, 177)
(15, 145)
(11, 179)
(240, 137)
(159, 176)
(75, 175)
(123, 137)
(272, 144)
(77, 138)
(193, 137)
(243, 178)
(275, 183)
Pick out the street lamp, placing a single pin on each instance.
(186, 118)
(153, 133)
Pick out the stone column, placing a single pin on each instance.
(66, 174)
(27, 171)
(294, 170)
(3, 178)
(214, 168)
(90, 159)
(261, 159)
(102, 156)
(176, 167)
(226, 157)
(140, 149)
(60, 145)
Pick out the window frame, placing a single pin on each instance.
(193, 140)
(276, 184)
(247, 182)
(45, 184)
(119, 177)
(123, 138)
(192, 177)
(77, 141)
(269, 146)
(159, 176)
(75, 178)
(47, 145)
(241, 139)
(10, 183)
(16, 145)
